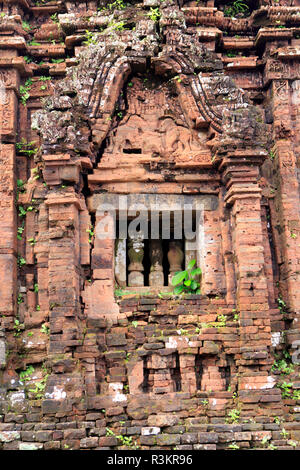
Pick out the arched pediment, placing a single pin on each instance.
(84, 107)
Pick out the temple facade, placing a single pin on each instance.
(137, 140)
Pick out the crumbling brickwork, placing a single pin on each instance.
(169, 100)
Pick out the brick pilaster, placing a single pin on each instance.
(287, 199)
(240, 174)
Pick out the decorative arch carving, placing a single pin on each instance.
(85, 101)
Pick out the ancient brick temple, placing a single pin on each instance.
(171, 102)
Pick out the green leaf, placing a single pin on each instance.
(187, 283)
(196, 271)
(194, 285)
(179, 277)
(178, 289)
(191, 264)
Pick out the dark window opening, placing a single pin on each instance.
(134, 151)
(198, 371)
(145, 385)
(175, 374)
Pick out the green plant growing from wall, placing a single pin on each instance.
(272, 154)
(34, 43)
(26, 148)
(185, 281)
(27, 373)
(117, 25)
(45, 329)
(21, 261)
(233, 416)
(292, 443)
(54, 18)
(283, 366)
(284, 433)
(91, 233)
(57, 61)
(237, 8)
(20, 186)
(222, 320)
(18, 327)
(265, 441)
(233, 446)
(26, 26)
(20, 231)
(24, 91)
(287, 390)
(154, 14)
(236, 317)
(124, 440)
(281, 306)
(27, 59)
(114, 5)
(91, 38)
(39, 388)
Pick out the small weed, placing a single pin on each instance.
(26, 26)
(26, 148)
(91, 233)
(292, 443)
(45, 329)
(154, 14)
(233, 446)
(26, 374)
(237, 8)
(91, 38)
(233, 416)
(18, 327)
(21, 261)
(124, 440)
(24, 91)
(39, 387)
(284, 433)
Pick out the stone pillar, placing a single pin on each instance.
(175, 258)
(136, 256)
(156, 277)
(189, 251)
(120, 262)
